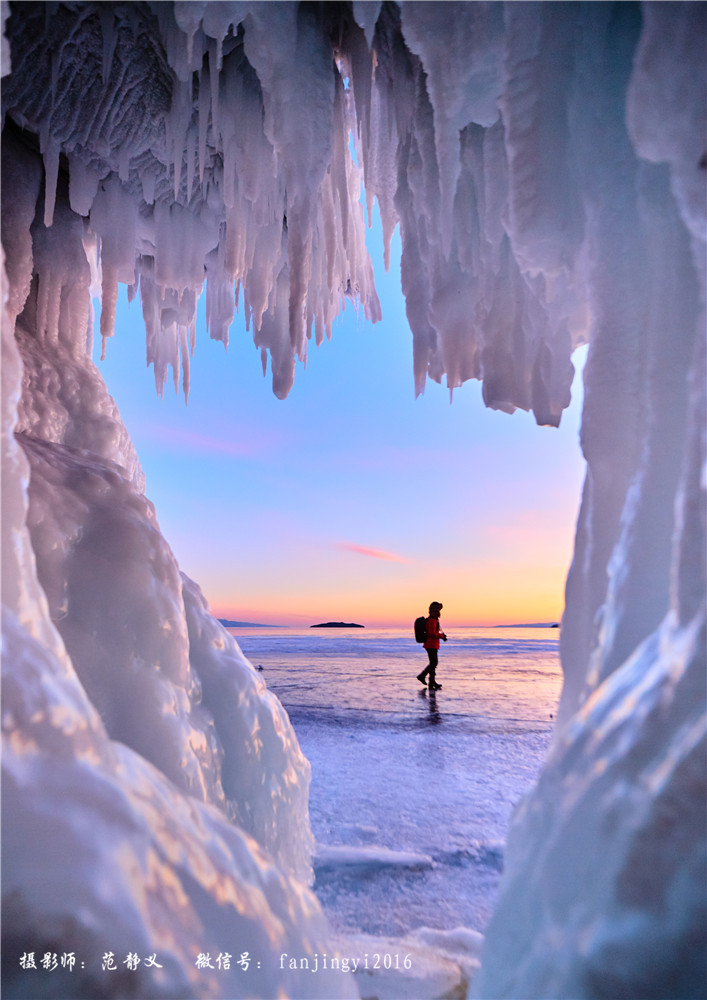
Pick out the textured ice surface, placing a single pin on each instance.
(556, 197)
(412, 793)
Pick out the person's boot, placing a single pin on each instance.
(421, 679)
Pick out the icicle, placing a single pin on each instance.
(192, 334)
(83, 184)
(176, 21)
(91, 249)
(113, 218)
(188, 16)
(185, 358)
(172, 332)
(365, 14)
(204, 108)
(274, 335)
(109, 299)
(50, 155)
(220, 18)
(340, 156)
(220, 300)
(463, 59)
(380, 163)
(182, 243)
(163, 318)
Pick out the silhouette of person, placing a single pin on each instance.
(431, 644)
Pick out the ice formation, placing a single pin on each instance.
(546, 166)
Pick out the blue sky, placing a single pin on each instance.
(350, 499)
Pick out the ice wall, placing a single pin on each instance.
(545, 165)
(154, 795)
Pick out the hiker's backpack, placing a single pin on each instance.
(420, 629)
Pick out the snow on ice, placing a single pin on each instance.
(545, 165)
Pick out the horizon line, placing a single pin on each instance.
(236, 623)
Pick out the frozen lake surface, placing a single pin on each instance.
(412, 792)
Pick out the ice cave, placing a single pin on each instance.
(545, 164)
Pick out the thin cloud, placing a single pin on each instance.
(362, 550)
(186, 440)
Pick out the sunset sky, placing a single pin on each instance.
(350, 500)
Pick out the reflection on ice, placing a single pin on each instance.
(434, 718)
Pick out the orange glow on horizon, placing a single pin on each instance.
(482, 595)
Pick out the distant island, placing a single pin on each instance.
(229, 624)
(531, 625)
(337, 625)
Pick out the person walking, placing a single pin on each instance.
(431, 644)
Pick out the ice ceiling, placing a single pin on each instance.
(212, 144)
(545, 163)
